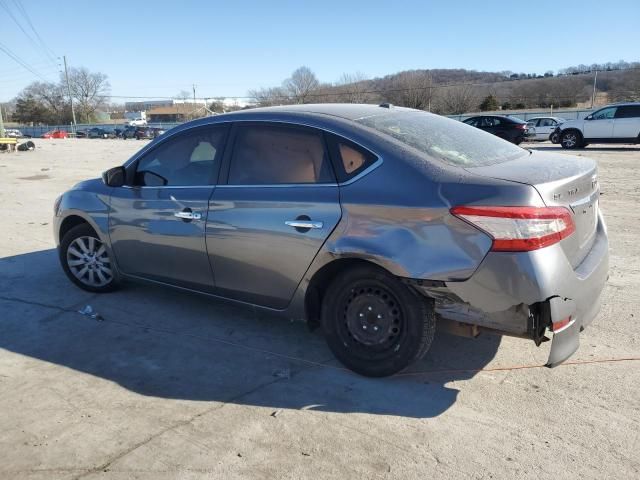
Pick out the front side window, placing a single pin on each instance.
(547, 122)
(605, 113)
(471, 121)
(190, 158)
(445, 139)
(274, 154)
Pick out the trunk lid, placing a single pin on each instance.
(561, 180)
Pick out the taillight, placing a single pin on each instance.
(521, 126)
(519, 229)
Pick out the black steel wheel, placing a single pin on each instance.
(374, 324)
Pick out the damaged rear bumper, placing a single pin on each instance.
(525, 293)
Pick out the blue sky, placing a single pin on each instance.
(157, 48)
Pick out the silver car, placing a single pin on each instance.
(373, 223)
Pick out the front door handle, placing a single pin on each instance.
(188, 215)
(303, 224)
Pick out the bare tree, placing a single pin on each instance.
(301, 85)
(411, 89)
(353, 88)
(52, 97)
(266, 97)
(456, 99)
(89, 89)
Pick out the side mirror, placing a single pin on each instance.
(151, 179)
(114, 177)
(589, 117)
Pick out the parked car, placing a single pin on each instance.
(368, 221)
(137, 122)
(56, 134)
(144, 133)
(81, 134)
(511, 129)
(129, 132)
(98, 132)
(618, 123)
(13, 133)
(158, 131)
(545, 128)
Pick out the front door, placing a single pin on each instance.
(280, 204)
(157, 222)
(601, 124)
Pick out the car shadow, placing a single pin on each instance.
(166, 343)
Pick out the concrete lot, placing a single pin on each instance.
(173, 385)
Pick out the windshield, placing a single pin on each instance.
(449, 140)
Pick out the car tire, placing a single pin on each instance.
(86, 260)
(554, 138)
(374, 324)
(571, 139)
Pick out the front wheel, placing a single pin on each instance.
(86, 260)
(374, 324)
(571, 139)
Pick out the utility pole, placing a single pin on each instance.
(593, 95)
(66, 76)
(194, 95)
(1, 124)
(430, 90)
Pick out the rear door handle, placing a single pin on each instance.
(188, 215)
(303, 224)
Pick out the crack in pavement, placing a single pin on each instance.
(105, 466)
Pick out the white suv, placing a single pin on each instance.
(619, 123)
(137, 122)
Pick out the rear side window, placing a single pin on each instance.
(442, 138)
(269, 154)
(349, 158)
(628, 111)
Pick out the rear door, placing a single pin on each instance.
(157, 221)
(279, 205)
(601, 124)
(545, 128)
(626, 123)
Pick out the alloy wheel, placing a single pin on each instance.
(89, 262)
(570, 140)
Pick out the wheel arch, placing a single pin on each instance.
(69, 222)
(320, 281)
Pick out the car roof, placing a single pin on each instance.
(349, 111)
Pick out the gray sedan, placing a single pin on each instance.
(373, 223)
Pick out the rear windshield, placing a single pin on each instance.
(440, 137)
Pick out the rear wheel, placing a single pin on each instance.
(571, 139)
(554, 137)
(374, 324)
(86, 260)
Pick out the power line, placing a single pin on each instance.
(18, 60)
(50, 53)
(35, 45)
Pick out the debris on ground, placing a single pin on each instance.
(275, 413)
(26, 146)
(88, 311)
(284, 373)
